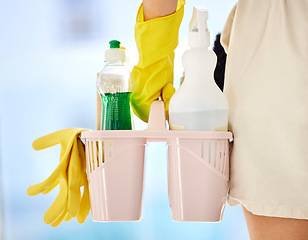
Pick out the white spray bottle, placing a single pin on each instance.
(199, 105)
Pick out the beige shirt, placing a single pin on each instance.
(267, 88)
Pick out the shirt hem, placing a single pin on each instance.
(269, 210)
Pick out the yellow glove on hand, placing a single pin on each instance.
(70, 174)
(156, 40)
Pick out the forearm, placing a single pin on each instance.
(158, 8)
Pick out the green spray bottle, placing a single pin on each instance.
(114, 86)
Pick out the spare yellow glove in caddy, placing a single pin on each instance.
(70, 174)
(156, 41)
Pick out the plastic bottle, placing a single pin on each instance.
(113, 85)
(198, 104)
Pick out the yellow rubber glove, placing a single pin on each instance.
(75, 175)
(78, 178)
(156, 41)
(85, 200)
(70, 174)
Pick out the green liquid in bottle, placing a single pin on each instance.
(116, 113)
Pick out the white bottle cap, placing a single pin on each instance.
(115, 53)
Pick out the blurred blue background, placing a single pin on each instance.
(50, 52)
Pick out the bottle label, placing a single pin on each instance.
(176, 127)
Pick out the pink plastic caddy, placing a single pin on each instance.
(198, 171)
